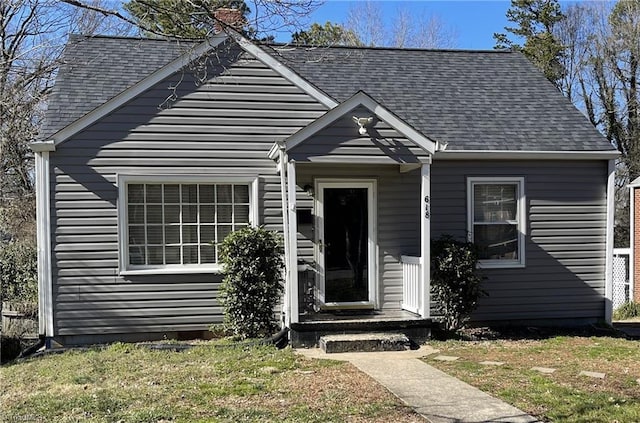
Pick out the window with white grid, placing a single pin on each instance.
(181, 225)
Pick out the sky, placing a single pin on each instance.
(474, 21)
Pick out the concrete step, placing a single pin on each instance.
(364, 342)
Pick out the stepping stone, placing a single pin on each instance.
(492, 363)
(445, 358)
(596, 375)
(545, 370)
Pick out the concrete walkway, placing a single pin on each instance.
(435, 395)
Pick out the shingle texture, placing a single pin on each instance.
(96, 69)
(472, 100)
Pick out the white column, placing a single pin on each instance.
(425, 238)
(293, 242)
(282, 169)
(608, 268)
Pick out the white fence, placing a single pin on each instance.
(621, 286)
(411, 287)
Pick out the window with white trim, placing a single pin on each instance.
(176, 226)
(496, 223)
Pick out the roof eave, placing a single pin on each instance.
(526, 155)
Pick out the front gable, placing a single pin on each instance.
(338, 137)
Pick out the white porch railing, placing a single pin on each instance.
(411, 287)
(621, 288)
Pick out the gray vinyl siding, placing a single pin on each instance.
(564, 269)
(398, 210)
(221, 128)
(341, 142)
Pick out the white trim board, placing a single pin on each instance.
(43, 234)
(608, 277)
(361, 99)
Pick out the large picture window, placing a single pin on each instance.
(176, 226)
(496, 220)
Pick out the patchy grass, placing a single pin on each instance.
(627, 311)
(564, 395)
(128, 383)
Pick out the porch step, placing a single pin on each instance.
(364, 342)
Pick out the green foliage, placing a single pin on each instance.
(18, 272)
(628, 310)
(329, 34)
(455, 283)
(252, 284)
(182, 18)
(535, 21)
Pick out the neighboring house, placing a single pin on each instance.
(359, 156)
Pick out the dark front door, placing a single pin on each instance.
(346, 244)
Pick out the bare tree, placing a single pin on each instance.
(407, 27)
(365, 19)
(32, 35)
(433, 32)
(601, 58)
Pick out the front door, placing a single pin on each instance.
(346, 243)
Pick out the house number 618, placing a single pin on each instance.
(427, 208)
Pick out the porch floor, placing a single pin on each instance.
(359, 315)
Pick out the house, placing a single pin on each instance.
(358, 156)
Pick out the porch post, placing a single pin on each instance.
(293, 242)
(282, 169)
(425, 238)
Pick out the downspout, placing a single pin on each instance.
(608, 276)
(282, 157)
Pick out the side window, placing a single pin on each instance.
(496, 220)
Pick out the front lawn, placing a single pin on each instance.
(564, 395)
(129, 383)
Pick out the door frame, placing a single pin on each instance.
(372, 244)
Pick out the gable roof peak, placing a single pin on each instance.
(361, 98)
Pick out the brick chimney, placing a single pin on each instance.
(228, 16)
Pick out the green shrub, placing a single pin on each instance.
(628, 310)
(252, 285)
(455, 282)
(18, 272)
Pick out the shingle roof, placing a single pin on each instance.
(96, 69)
(472, 100)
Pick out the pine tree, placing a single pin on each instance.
(535, 20)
